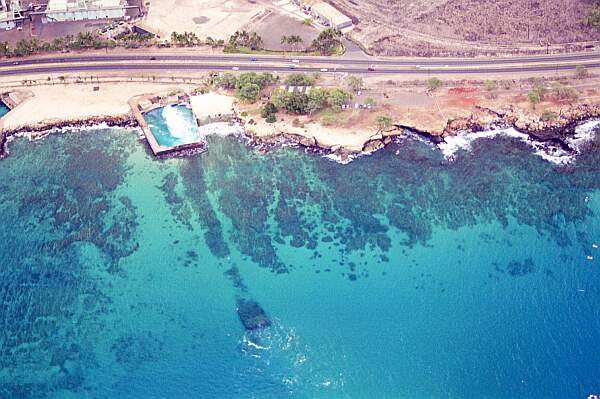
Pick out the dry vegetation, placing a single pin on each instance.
(445, 27)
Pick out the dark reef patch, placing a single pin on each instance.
(519, 269)
(252, 315)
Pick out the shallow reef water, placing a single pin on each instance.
(241, 274)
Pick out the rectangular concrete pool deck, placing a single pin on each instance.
(157, 149)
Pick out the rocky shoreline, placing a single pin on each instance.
(554, 132)
(40, 129)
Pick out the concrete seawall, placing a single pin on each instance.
(143, 104)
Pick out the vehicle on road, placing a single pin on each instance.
(152, 58)
(292, 66)
(253, 59)
(236, 68)
(296, 61)
(371, 67)
(324, 69)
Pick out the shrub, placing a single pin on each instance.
(549, 115)
(354, 83)
(433, 84)
(565, 93)
(593, 17)
(271, 118)
(491, 85)
(384, 122)
(581, 72)
(370, 101)
(533, 97)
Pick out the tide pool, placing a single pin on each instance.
(3, 109)
(172, 125)
(398, 275)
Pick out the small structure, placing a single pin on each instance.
(79, 10)
(10, 14)
(331, 15)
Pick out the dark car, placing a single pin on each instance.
(152, 58)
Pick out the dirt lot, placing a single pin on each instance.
(275, 25)
(465, 27)
(218, 19)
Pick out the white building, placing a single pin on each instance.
(331, 15)
(6, 21)
(9, 15)
(79, 10)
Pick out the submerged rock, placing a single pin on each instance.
(252, 315)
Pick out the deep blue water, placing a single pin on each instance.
(397, 275)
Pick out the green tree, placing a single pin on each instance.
(327, 42)
(384, 122)
(279, 97)
(268, 109)
(226, 81)
(339, 97)
(299, 79)
(248, 92)
(317, 100)
(354, 83)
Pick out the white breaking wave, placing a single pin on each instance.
(584, 133)
(338, 158)
(551, 153)
(221, 129)
(179, 123)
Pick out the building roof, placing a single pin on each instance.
(330, 13)
(64, 5)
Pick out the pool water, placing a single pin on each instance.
(172, 125)
(3, 109)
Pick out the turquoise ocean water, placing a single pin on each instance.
(398, 275)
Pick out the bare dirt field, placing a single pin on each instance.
(466, 27)
(275, 25)
(214, 18)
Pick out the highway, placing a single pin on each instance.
(161, 55)
(162, 61)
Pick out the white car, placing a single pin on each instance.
(236, 68)
(296, 61)
(324, 69)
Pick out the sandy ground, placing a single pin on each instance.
(214, 18)
(70, 102)
(211, 104)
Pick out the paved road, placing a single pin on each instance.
(162, 56)
(196, 67)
